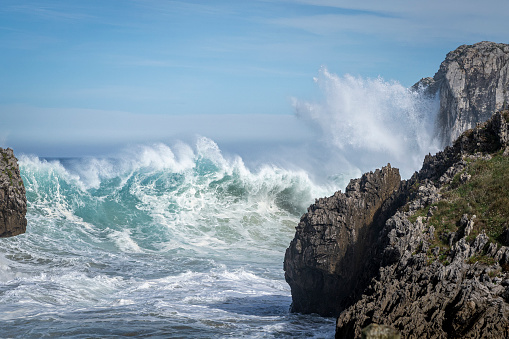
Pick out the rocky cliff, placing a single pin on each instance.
(328, 263)
(13, 204)
(427, 255)
(472, 83)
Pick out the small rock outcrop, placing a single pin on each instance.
(13, 203)
(399, 254)
(328, 261)
(472, 83)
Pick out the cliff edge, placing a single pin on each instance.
(472, 83)
(428, 256)
(13, 203)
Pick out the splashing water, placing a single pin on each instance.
(159, 241)
(184, 241)
(372, 122)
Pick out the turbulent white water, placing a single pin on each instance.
(159, 241)
(371, 122)
(184, 241)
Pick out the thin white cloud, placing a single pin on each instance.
(411, 21)
(48, 12)
(67, 126)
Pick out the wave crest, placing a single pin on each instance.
(163, 198)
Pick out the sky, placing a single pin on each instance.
(89, 77)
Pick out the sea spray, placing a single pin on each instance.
(371, 122)
(157, 241)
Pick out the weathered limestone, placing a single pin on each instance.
(472, 83)
(13, 204)
(361, 255)
(328, 261)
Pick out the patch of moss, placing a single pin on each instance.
(483, 259)
(456, 181)
(419, 213)
(440, 253)
(494, 273)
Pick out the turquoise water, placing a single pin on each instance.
(155, 242)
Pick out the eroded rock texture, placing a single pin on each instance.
(429, 292)
(472, 82)
(13, 204)
(371, 254)
(328, 262)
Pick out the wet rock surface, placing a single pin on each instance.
(13, 203)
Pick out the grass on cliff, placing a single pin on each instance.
(485, 194)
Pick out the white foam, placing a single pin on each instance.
(124, 241)
(372, 121)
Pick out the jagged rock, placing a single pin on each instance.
(375, 331)
(472, 83)
(325, 264)
(361, 254)
(13, 204)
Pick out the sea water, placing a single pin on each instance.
(183, 241)
(161, 242)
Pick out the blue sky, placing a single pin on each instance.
(86, 77)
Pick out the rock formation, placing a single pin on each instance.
(328, 263)
(472, 83)
(412, 254)
(13, 203)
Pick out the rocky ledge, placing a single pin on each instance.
(13, 203)
(427, 255)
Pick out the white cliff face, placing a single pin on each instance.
(473, 83)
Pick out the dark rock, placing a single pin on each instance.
(362, 256)
(329, 261)
(13, 204)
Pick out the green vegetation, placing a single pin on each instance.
(484, 259)
(485, 194)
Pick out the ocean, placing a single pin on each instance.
(161, 242)
(185, 240)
